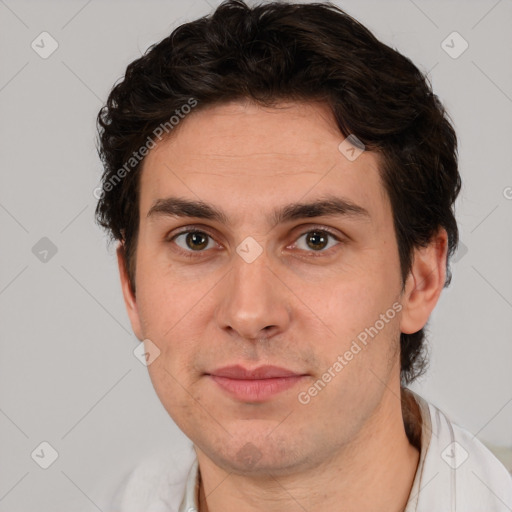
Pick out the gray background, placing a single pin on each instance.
(67, 372)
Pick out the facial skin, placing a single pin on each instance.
(296, 306)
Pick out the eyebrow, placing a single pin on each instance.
(328, 205)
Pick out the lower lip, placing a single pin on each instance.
(256, 390)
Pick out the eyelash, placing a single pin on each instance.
(194, 254)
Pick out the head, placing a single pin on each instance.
(238, 117)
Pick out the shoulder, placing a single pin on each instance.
(156, 484)
(458, 466)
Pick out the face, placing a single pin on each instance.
(268, 281)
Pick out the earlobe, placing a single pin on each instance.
(128, 295)
(425, 283)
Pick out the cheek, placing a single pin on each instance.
(351, 314)
(173, 372)
(161, 299)
(167, 309)
(345, 302)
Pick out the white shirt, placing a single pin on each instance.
(456, 473)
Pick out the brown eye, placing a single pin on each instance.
(194, 241)
(316, 240)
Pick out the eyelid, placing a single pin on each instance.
(205, 229)
(188, 229)
(319, 227)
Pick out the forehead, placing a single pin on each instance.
(246, 155)
(244, 129)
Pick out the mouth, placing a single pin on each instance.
(256, 385)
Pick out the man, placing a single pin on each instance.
(281, 185)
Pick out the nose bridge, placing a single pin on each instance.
(251, 299)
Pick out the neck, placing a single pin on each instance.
(375, 472)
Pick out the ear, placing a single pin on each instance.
(424, 283)
(129, 297)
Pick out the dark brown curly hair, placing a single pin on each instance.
(304, 52)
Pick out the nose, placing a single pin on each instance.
(255, 303)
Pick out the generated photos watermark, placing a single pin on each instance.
(138, 156)
(304, 397)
